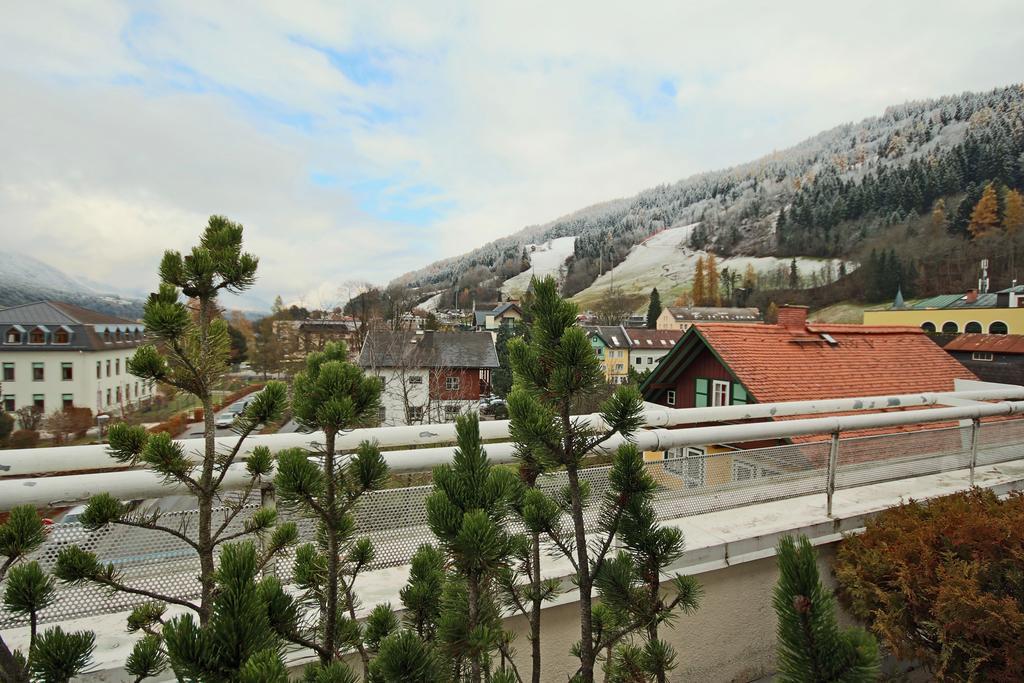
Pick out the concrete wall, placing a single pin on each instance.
(730, 638)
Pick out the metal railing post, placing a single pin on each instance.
(269, 500)
(830, 481)
(975, 425)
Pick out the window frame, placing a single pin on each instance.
(39, 402)
(32, 336)
(41, 367)
(67, 401)
(12, 332)
(9, 366)
(61, 336)
(9, 407)
(416, 414)
(67, 372)
(415, 379)
(984, 356)
(716, 385)
(452, 383)
(670, 397)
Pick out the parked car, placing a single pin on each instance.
(226, 418)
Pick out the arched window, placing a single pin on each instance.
(106, 336)
(13, 336)
(950, 328)
(61, 336)
(928, 327)
(998, 327)
(36, 336)
(973, 327)
(117, 336)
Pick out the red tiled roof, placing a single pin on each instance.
(776, 363)
(992, 343)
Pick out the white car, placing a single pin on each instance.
(226, 418)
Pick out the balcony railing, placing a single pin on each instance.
(825, 463)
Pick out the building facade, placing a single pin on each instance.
(611, 346)
(682, 317)
(992, 357)
(55, 355)
(723, 364)
(506, 314)
(999, 312)
(429, 377)
(648, 347)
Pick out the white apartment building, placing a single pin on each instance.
(56, 355)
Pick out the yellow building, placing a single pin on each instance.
(999, 312)
(612, 347)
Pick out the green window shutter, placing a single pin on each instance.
(739, 394)
(702, 393)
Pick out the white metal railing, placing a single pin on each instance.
(395, 519)
(32, 476)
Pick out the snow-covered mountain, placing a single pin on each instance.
(24, 279)
(824, 197)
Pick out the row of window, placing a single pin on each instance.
(690, 463)
(117, 367)
(37, 335)
(114, 396)
(712, 392)
(450, 383)
(38, 402)
(67, 372)
(973, 327)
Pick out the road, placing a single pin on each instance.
(196, 430)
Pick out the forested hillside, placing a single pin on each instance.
(834, 194)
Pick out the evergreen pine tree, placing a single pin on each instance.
(794, 275)
(653, 309)
(331, 395)
(555, 370)
(238, 640)
(811, 646)
(985, 215)
(468, 512)
(190, 354)
(698, 292)
(53, 655)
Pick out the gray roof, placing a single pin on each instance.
(714, 314)
(87, 328)
(612, 335)
(427, 349)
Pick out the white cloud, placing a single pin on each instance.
(447, 124)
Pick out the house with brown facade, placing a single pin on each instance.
(429, 377)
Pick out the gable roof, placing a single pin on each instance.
(410, 349)
(713, 314)
(613, 336)
(991, 343)
(57, 313)
(641, 338)
(775, 363)
(86, 327)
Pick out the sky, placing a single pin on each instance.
(358, 141)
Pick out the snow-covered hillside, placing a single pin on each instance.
(24, 279)
(545, 259)
(664, 261)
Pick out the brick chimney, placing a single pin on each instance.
(793, 318)
(972, 296)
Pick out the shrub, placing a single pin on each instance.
(6, 427)
(942, 582)
(23, 438)
(235, 395)
(172, 426)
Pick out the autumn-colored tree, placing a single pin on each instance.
(940, 582)
(938, 218)
(771, 314)
(1013, 221)
(749, 278)
(698, 292)
(1013, 212)
(985, 216)
(711, 293)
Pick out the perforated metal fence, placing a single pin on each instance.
(691, 481)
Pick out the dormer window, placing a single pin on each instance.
(106, 336)
(13, 335)
(117, 336)
(62, 336)
(37, 336)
